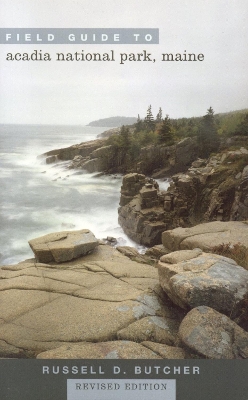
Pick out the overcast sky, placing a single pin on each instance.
(79, 92)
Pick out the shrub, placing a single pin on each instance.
(237, 252)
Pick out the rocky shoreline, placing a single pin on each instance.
(161, 160)
(82, 298)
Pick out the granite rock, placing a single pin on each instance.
(84, 300)
(63, 246)
(192, 278)
(213, 335)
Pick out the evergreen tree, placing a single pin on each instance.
(159, 115)
(149, 119)
(208, 139)
(138, 125)
(242, 128)
(165, 132)
(125, 144)
(124, 137)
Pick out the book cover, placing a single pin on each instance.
(124, 153)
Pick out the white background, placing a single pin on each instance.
(78, 92)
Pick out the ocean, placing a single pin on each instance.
(37, 198)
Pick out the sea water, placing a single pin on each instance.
(38, 198)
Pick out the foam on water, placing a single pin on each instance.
(37, 198)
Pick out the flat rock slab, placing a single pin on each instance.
(104, 350)
(88, 299)
(192, 278)
(63, 246)
(213, 335)
(206, 236)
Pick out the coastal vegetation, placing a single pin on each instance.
(209, 131)
(236, 252)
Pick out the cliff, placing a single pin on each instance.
(211, 190)
(162, 160)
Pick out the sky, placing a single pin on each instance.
(79, 92)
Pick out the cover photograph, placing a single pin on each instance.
(124, 199)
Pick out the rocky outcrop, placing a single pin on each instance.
(131, 185)
(83, 149)
(162, 160)
(95, 161)
(90, 156)
(63, 246)
(210, 190)
(141, 212)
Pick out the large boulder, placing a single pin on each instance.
(63, 246)
(213, 335)
(192, 278)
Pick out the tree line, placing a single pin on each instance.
(126, 147)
